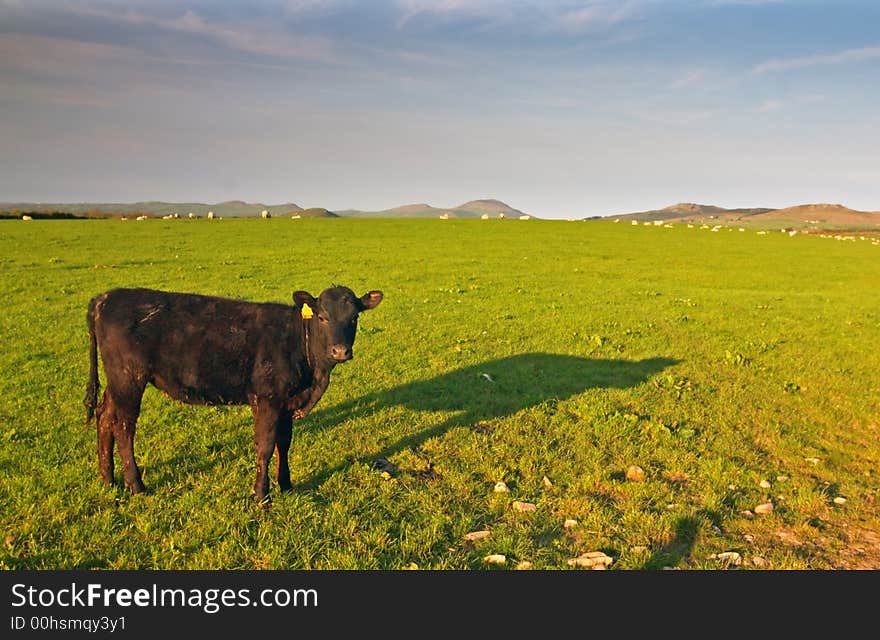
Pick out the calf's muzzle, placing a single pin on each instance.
(340, 352)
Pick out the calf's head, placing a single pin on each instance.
(332, 319)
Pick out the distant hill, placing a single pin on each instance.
(229, 209)
(819, 216)
(241, 209)
(470, 209)
(492, 207)
(825, 214)
(690, 211)
(314, 212)
(420, 210)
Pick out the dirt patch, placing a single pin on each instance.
(862, 550)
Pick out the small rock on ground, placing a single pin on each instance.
(476, 535)
(500, 487)
(523, 506)
(767, 507)
(591, 560)
(495, 558)
(730, 557)
(635, 473)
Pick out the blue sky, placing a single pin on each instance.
(560, 108)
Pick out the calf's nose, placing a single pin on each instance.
(340, 352)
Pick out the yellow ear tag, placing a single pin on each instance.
(307, 312)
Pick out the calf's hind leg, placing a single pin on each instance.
(125, 409)
(106, 415)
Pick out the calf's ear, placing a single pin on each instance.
(304, 297)
(371, 300)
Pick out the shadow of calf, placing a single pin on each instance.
(487, 391)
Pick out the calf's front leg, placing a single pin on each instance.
(266, 419)
(283, 434)
(305, 401)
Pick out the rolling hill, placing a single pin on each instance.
(691, 211)
(313, 212)
(825, 215)
(228, 209)
(418, 210)
(470, 209)
(241, 209)
(818, 216)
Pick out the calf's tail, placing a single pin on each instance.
(91, 400)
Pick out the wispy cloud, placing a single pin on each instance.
(803, 62)
(261, 39)
(769, 106)
(489, 10)
(671, 116)
(773, 105)
(718, 3)
(70, 96)
(50, 54)
(688, 79)
(594, 14)
(568, 16)
(298, 7)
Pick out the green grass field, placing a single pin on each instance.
(504, 351)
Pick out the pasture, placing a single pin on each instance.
(734, 369)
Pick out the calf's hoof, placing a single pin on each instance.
(136, 488)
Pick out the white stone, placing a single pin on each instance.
(569, 523)
(730, 557)
(476, 535)
(500, 487)
(767, 507)
(523, 506)
(495, 558)
(764, 484)
(839, 500)
(635, 473)
(591, 560)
